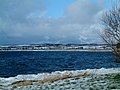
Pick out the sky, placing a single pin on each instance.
(51, 21)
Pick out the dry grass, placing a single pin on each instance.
(30, 82)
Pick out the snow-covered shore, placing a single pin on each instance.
(80, 50)
(43, 80)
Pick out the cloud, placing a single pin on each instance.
(83, 11)
(19, 9)
(25, 21)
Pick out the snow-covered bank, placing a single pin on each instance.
(36, 78)
(80, 50)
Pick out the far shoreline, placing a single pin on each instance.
(85, 50)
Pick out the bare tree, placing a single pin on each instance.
(111, 26)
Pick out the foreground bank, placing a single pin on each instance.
(67, 80)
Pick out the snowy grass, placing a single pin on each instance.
(90, 79)
(96, 82)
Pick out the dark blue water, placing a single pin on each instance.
(14, 63)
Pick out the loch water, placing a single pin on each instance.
(14, 63)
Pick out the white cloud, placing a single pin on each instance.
(83, 11)
(27, 21)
